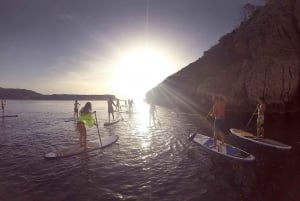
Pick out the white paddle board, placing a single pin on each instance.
(226, 150)
(76, 149)
(111, 123)
(262, 141)
(9, 116)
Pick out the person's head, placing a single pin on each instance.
(216, 97)
(261, 100)
(87, 108)
(213, 98)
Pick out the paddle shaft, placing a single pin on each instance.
(120, 115)
(251, 117)
(209, 112)
(98, 130)
(124, 121)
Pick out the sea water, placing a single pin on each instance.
(147, 163)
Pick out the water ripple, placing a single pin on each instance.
(147, 163)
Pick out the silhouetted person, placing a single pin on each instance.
(130, 105)
(3, 103)
(110, 108)
(218, 112)
(118, 105)
(76, 105)
(152, 113)
(261, 108)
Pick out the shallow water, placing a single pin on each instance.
(146, 163)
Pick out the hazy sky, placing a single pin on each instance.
(106, 46)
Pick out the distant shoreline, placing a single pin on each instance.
(24, 94)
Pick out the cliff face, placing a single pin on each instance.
(261, 58)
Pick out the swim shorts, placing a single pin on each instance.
(260, 121)
(220, 125)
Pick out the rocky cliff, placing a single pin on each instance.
(260, 58)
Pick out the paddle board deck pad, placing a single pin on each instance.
(111, 123)
(226, 150)
(9, 116)
(262, 141)
(76, 149)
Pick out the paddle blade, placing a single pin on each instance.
(192, 135)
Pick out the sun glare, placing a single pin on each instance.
(139, 70)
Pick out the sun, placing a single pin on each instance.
(139, 70)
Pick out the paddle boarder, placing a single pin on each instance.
(218, 112)
(3, 103)
(261, 108)
(85, 118)
(76, 105)
(152, 113)
(118, 105)
(110, 108)
(130, 105)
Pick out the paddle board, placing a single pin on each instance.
(111, 123)
(9, 116)
(70, 120)
(262, 141)
(76, 149)
(226, 150)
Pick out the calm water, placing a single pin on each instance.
(146, 163)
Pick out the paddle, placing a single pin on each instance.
(192, 135)
(98, 129)
(120, 116)
(157, 118)
(158, 122)
(251, 118)
(208, 114)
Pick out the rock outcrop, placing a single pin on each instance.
(260, 58)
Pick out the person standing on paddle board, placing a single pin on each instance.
(218, 112)
(110, 108)
(261, 108)
(130, 105)
(76, 105)
(85, 118)
(3, 103)
(152, 113)
(118, 105)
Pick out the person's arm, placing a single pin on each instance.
(212, 112)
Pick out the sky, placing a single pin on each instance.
(120, 47)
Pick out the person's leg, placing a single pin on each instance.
(260, 122)
(113, 116)
(222, 131)
(261, 131)
(215, 137)
(222, 137)
(82, 137)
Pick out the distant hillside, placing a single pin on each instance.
(24, 94)
(260, 58)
